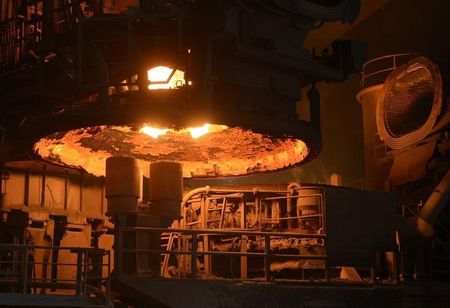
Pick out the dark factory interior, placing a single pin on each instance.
(224, 153)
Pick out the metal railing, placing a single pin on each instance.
(253, 203)
(195, 243)
(84, 272)
(13, 39)
(376, 70)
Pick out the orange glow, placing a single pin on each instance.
(209, 150)
(162, 77)
(197, 132)
(153, 132)
(159, 74)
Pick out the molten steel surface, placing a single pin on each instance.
(209, 150)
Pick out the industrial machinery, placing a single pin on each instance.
(163, 68)
(110, 107)
(279, 235)
(406, 121)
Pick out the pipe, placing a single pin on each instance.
(122, 185)
(314, 108)
(166, 188)
(292, 187)
(192, 193)
(433, 206)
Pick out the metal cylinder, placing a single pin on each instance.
(308, 205)
(122, 184)
(309, 202)
(166, 188)
(374, 174)
(433, 206)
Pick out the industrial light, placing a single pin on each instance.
(159, 74)
(163, 77)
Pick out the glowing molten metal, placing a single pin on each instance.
(197, 132)
(153, 132)
(205, 151)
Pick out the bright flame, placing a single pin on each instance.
(197, 132)
(153, 132)
(159, 74)
(162, 77)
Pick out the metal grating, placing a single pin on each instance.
(409, 102)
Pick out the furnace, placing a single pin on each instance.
(138, 140)
(206, 151)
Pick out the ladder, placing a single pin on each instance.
(170, 238)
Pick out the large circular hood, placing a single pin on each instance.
(215, 144)
(410, 103)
